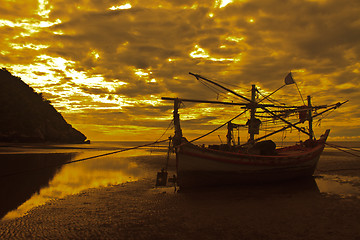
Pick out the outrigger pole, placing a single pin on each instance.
(253, 105)
(219, 102)
(316, 115)
(203, 101)
(287, 122)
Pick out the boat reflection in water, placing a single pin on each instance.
(52, 180)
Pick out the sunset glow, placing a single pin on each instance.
(105, 66)
(125, 6)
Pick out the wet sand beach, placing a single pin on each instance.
(138, 210)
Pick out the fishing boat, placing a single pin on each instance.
(258, 160)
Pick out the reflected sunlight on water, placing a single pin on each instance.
(344, 186)
(94, 173)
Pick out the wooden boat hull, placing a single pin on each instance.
(197, 166)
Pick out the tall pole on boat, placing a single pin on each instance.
(310, 118)
(252, 114)
(229, 133)
(178, 131)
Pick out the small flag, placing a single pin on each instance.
(288, 79)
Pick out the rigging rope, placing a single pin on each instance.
(300, 93)
(218, 92)
(232, 85)
(212, 88)
(318, 122)
(83, 159)
(269, 98)
(229, 84)
(206, 134)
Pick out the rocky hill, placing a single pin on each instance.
(25, 116)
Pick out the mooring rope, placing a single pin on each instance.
(82, 159)
(170, 124)
(338, 169)
(352, 149)
(340, 149)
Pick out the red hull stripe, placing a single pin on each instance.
(242, 159)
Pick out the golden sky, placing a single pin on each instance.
(105, 64)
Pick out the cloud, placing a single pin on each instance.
(93, 58)
(12, 10)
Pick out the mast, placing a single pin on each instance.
(229, 133)
(253, 120)
(253, 123)
(178, 131)
(310, 119)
